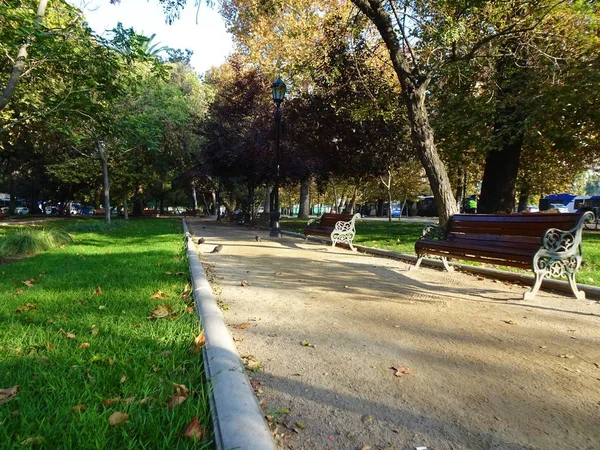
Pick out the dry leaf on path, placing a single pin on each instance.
(194, 430)
(566, 356)
(98, 291)
(118, 418)
(244, 283)
(241, 326)
(7, 395)
(401, 370)
(199, 342)
(308, 344)
(159, 295)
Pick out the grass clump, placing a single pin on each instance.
(28, 241)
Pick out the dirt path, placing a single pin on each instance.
(483, 369)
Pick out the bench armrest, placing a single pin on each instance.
(566, 242)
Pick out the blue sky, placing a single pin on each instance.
(208, 38)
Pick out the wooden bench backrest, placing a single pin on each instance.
(519, 231)
(328, 220)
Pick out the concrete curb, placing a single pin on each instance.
(556, 285)
(237, 417)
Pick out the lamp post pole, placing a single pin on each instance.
(278, 96)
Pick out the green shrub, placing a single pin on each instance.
(27, 241)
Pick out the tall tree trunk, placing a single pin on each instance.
(304, 210)
(19, 62)
(194, 196)
(460, 188)
(125, 212)
(523, 198)
(414, 88)
(267, 206)
(352, 204)
(502, 162)
(105, 184)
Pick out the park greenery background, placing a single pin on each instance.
(383, 104)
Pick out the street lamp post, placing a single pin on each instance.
(278, 96)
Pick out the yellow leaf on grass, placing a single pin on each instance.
(176, 400)
(28, 283)
(110, 401)
(70, 336)
(84, 345)
(79, 408)
(159, 295)
(19, 292)
(7, 395)
(161, 312)
(98, 291)
(199, 342)
(181, 389)
(33, 441)
(25, 307)
(118, 418)
(194, 430)
(94, 330)
(123, 379)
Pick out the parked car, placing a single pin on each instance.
(561, 208)
(21, 210)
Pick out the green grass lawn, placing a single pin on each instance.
(400, 236)
(103, 325)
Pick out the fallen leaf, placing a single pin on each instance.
(300, 425)
(401, 370)
(181, 389)
(176, 400)
(19, 292)
(123, 379)
(510, 322)
(70, 336)
(84, 345)
(98, 291)
(79, 408)
(159, 295)
(566, 356)
(241, 325)
(110, 401)
(244, 283)
(28, 283)
(194, 430)
(367, 418)
(33, 441)
(161, 312)
(7, 395)
(480, 278)
(25, 307)
(94, 330)
(199, 342)
(118, 418)
(307, 344)
(189, 309)
(168, 273)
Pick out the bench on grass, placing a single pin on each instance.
(549, 244)
(336, 227)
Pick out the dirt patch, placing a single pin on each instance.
(350, 351)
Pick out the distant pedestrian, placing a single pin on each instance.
(472, 204)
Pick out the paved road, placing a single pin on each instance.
(475, 367)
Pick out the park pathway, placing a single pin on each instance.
(350, 351)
